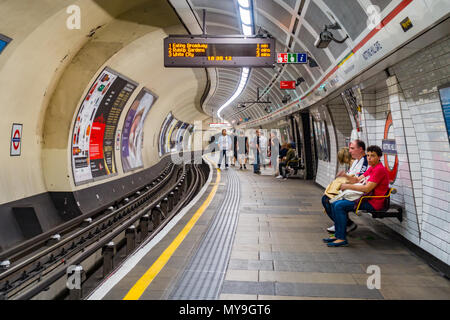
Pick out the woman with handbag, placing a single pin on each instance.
(377, 181)
(357, 152)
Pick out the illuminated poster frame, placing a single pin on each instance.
(95, 127)
(133, 130)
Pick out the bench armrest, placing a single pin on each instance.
(391, 190)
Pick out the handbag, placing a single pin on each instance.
(350, 195)
(334, 187)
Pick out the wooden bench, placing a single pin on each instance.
(389, 210)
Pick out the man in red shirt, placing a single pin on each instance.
(377, 180)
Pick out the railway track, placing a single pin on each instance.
(40, 267)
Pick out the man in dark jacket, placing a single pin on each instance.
(290, 155)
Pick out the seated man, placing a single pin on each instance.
(377, 181)
(357, 150)
(290, 155)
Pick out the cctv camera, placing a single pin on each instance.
(286, 99)
(324, 40)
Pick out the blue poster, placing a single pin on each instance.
(133, 131)
(445, 101)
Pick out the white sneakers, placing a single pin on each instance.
(279, 177)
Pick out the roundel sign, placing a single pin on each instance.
(16, 140)
(390, 150)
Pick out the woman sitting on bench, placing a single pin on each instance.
(377, 181)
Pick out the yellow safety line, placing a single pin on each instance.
(138, 289)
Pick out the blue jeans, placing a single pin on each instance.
(223, 154)
(256, 164)
(340, 210)
(327, 206)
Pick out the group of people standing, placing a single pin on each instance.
(241, 146)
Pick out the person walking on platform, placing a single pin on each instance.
(235, 153)
(376, 180)
(274, 146)
(256, 148)
(224, 146)
(357, 151)
(263, 148)
(242, 149)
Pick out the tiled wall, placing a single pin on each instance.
(427, 142)
(422, 144)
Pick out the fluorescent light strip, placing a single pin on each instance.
(247, 29)
(242, 83)
(244, 3)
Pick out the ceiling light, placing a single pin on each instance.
(245, 16)
(242, 83)
(244, 3)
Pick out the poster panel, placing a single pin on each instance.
(444, 94)
(168, 136)
(94, 132)
(322, 140)
(163, 133)
(133, 131)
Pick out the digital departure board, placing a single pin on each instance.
(188, 52)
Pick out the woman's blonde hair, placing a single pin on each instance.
(344, 156)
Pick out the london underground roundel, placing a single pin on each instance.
(390, 161)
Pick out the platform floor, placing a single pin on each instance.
(261, 239)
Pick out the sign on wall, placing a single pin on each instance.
(133, 131)
(94, 132)
(444, 93)
(389, 149)
(16, 140)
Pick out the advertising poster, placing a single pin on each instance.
(174, 135)
(444, 93)
(322, 140)
(95, 127)
(168, 135)
(133, 131)
(162, 135)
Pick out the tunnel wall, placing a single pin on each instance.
(45, 73)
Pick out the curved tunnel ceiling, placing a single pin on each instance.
(295, 24)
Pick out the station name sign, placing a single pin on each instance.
(199, 52)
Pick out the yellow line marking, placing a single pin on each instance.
(138, 289)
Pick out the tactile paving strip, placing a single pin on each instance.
(205, 272)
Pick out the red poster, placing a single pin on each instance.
(96, 141)
(287, 85)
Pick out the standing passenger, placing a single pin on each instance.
(224, 146)
(242, 149)
(274, 151)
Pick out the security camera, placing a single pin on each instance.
(324, 40)
(299, 81)
(286, 98)
(326, 36)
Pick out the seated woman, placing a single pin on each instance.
(377, 181)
